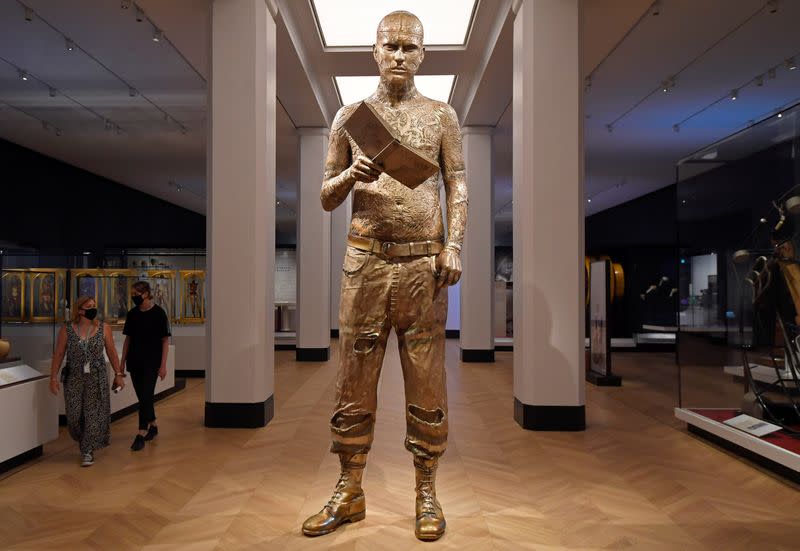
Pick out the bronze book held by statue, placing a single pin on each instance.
(374, 137)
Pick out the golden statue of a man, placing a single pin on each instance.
(396, 264)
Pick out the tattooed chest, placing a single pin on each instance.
(417, 125)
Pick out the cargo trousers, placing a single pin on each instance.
(378, 294)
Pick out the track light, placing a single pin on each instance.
(45, 126)
(676, 128)
(668, 84)
(139, 14)
(587, 83)
(58, 131)
(780, 115)
(772, 5)
(790, 64)
(610, 128)
(23, 75)
(759, 80)
(158, 34)
(28, 14)
(589, 200)
(119, 131)
(734, 94)
(125, 4)
(53, 92)
(132, 92)
(108, 125)
(184, 130)
(656, 8)
(69, 45)
(771, 73)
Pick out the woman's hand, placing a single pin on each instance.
(119, 380)
(54, 386)
(162, 372)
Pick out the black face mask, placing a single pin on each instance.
(90, 313)
(138, 300)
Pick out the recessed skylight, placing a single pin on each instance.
(354, 89)
(353, 22)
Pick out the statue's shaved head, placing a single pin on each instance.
(401, 22)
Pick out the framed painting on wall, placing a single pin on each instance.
(88, 283)
(193, 296)
(162, 283)
(118, 294)
(47, 290)
(13, 306)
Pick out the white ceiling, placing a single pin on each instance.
(638, 157)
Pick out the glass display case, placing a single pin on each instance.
(738, 205)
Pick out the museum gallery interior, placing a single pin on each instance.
(386, 274)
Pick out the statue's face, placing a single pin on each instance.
(398, 49)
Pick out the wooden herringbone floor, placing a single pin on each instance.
(634, 480)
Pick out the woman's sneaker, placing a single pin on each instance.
(88, 460)
(152, 432)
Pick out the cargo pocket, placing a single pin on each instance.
(354, 261)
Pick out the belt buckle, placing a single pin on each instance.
(385, 247)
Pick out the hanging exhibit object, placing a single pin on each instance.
(599, 369)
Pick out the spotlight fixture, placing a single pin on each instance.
(676, 128)
(69, 45)
(655, 9)
(28, 14)
(23, 75)
(184, 130)
(790, 64)
(668, 84)
(780, 115)
(119, 131)
(771, 73)
(587, 83)
(610, 128)
(53, 92)
(139, 14)
(58, 131)
(734, 94)
(158, 34)
(589, 200)
(108, 125)
(772, 5)
(45, 126)
(125, 4)
(132, 92)
(759, 80)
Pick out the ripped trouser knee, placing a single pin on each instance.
(351, 432)
(426, 431)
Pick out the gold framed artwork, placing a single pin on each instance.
(88, 283)
(13, 304)
(193, 296)
(47, 294)
(118, 294)
(162, 283)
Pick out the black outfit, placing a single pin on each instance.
(146, 331)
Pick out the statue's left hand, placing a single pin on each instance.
(448, 267)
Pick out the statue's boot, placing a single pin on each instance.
(347, 503)
(430, 523)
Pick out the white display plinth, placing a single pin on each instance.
(28, 412)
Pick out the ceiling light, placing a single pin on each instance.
(790, 64)
(184, 130)
(132, 92)
(354, 89)
(771, 73)
(587, 83)
(125, 4)
(119, 131)
(58, 131)
(589, 200)
(734, 94)
(759, 80)
(772, 5)
(780, 115)
(139, 14)
(45, 126)
(69, 44)
(28, 14)
(353, 22)
(23, 75)
(53, 92)
(108, 125)
(676, 128)
(667, 85)
(610, 128)
(158, 34)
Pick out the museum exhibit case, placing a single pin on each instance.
(738, 293)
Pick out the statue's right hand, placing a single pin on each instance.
(364, 170)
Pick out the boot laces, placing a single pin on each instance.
(336, 498)
(425, 493)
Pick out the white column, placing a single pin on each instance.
(340, 227)
(477, 255)
(313, 251)
(241, 215)
(548, 217)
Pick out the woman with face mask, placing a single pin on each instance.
(144, 353)
(86, 388)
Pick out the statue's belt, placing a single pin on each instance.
(390, 249)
